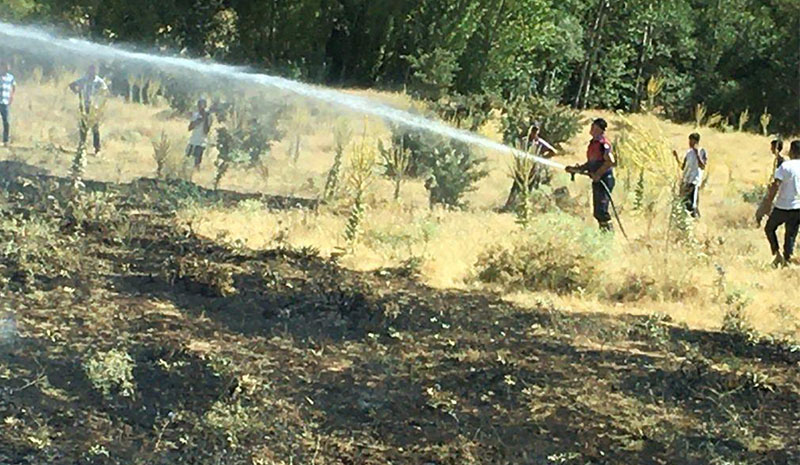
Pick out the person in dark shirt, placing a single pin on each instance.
(599, 166)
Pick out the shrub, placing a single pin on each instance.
(359, 177)
(111, 372)
(245, 139)
(558, 123)
(161, 149)
(450, 168)
(453, 171)
(558, 253)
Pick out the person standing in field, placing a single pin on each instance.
(600, 167)
(8, 87)
(537, 146)
(694, 162)
(783, 197)
(776, 147)
(199, 126)
(91, 88)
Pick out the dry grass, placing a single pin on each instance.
(448, 243)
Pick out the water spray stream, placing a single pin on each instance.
(36, 39)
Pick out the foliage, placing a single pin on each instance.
(244, 139)
(765, 120)
(395, 163)
(161, 149)
(359, 176)
(557, 123)
(341, 137)
(111, 372)
(453, 170)
(450, 168)
(471, 47)
(557, 253)
(744, 117)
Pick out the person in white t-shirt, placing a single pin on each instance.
(200, 126)
(694, 162)
(783, 197)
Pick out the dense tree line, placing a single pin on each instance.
(730, 55)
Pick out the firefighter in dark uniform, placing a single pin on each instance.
(599, 166)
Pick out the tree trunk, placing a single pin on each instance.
(644, 46)
(595, 37)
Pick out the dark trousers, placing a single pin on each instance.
(95, 135)
(691, 199)
(4, 112)
(791, 221)
(195, 151)
(601, 198)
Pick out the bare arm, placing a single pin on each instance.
(701, 161)
(608, 163)
(766, 204)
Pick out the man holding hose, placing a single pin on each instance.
(599, 166)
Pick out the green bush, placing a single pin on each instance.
(557, 253)
(111, 372)
(450, 168)
(558, 123)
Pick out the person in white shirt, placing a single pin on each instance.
(783, 197)
(90, 88)
(8, 87)
(537, 146)
(200, 126)
(694, 162)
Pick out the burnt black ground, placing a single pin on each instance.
(313, 363)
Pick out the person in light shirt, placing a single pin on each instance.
(199, 126)
(8, 87)
(783, 197)
(91, 89)
(694, 162)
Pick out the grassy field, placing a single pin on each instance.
(448, 243)
(152, 321)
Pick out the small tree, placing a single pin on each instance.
(359, 177)
(395, 162)
(452, 171)
(520, 172)
(341, 137)
(161, 148)
(765, 120)
(744, 117)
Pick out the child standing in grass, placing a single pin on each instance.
(8, 87)
(786, 211)
(694, 162)
(200, 125)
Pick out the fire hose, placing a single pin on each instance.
(610, 199)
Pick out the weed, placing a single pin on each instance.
(699, 115)
(396, 160)
(744, 118)
(654, 87)
(360, 173)
(521, 173)
(341, 137)
(161, 148)
(764, 120)
(111, 372)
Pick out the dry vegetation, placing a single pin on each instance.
(161, 322)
